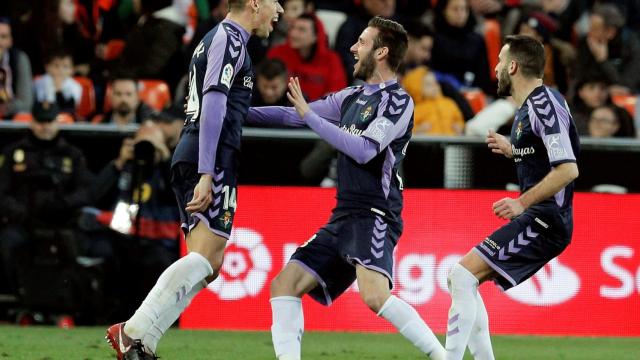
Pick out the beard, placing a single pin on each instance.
(504, 84)
(123, 109)
(367, 67)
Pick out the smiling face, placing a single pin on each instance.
(266, 15)
(502, 72)
(363, 52)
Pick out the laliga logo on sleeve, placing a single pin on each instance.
(552, 285)
(246, 265)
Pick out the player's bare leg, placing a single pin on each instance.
(287, 289)
(375, 292)
(468, 321)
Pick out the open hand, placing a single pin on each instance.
(296, 98)
(499, 144)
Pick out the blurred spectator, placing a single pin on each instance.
(611, 50)
(566, 13)
(271, 84)
(418, 54)
(126, 107)
(434, 113)
(457, 49)
(141, 221)
(43, 182)
(292, 10)
(153, 47)
(57, 86)
(356, 22)
(51, 24)
(16, 94)
(494, 116)
(559, 54)
(419, 46)
(610, 121)
(217, 11)
(307, 56)
(591, 92)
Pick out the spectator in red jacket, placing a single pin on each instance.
(307, 56)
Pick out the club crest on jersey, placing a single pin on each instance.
(364, 115)
(226, 219)
(227, 74)
(519, 130)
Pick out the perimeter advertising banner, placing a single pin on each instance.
(593, 288)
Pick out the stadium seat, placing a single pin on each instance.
(23, 117)
(154, 93)
(628, 102)
(476, 98)
(113, 49)
(493, 41)
(332, 20)
(87, 105)
(63, 118)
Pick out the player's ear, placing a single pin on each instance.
(382, 52)
(513, 67)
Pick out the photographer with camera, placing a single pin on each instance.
(139, 217)
(43, 183)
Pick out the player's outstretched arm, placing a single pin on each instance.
(359, 148)
(499, 144)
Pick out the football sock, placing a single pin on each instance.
(288, 326)
(463, 287)
(173, 285)
(157, 330)
(480, 341)
(409, 323)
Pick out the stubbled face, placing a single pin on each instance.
(603, 123)
(593, 94)
(384, 8)
(266, 16)
(502, 72)
(301, 34)
(363, 52)
(456, 13)
(66, 11)
(419, 50)
(60, 68)
(6, 41)
(271, 90)
(124, 98)
(45, 131)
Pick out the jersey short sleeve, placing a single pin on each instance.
(224, 60)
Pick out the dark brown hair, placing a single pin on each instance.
(528, 53)
(393, 36)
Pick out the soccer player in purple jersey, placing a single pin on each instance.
(544, 144)
(203, 171)
(371, 126)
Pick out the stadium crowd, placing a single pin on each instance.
(125, 62)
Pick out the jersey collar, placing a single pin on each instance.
(371, 88)
(244, 33)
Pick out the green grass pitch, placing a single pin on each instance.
(49, 343)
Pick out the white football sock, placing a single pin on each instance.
(463, 287)
(288, 326)
(157, 330)
(174, 283)
(480, 341)
(409, 323)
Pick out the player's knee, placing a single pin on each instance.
(374, 299)
(280, 287)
